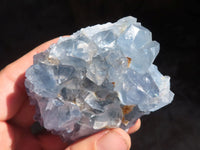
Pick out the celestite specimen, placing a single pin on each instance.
(100, 77)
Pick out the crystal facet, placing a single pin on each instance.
(100, 77)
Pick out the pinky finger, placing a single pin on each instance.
(135, 127)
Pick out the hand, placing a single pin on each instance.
(16, 116)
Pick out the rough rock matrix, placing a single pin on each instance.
(100, 77)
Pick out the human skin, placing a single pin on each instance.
(16, 116)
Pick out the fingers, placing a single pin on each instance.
(24, 117)
(11, 138)
(114, 139)
(135, 127)
(5, 136)
(51, 142)
(12, 88)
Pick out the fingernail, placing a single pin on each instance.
(113, 141)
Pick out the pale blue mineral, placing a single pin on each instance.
(100, 77)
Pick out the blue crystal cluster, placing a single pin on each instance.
(100, 77)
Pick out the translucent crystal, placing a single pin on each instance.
(102, 76)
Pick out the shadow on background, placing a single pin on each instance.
(174, 23)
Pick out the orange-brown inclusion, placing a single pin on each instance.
(125, 121)
(129, 61)
(113, 84)
(126, 110)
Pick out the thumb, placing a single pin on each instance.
(113, 139)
